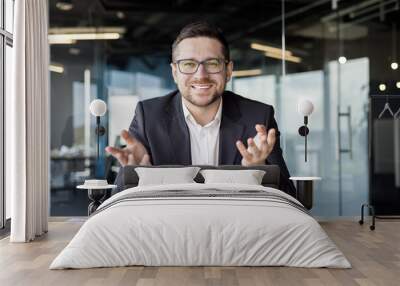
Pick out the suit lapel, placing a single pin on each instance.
(178, 132)
(231, 130)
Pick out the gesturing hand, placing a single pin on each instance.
(256, 155)
(133, 154)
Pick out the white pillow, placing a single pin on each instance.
(162, 176)
(248, 177)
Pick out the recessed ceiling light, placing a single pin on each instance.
(394, 66)
(67, 38)
(74, 51)
(240, 73)
(65, 5)
(342, 60)
(398, 84)
(58, 68)
(382, 87)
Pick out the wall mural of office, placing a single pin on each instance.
(339, 55)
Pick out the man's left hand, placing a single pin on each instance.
(256, 155)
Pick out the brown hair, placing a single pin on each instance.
(202, 29)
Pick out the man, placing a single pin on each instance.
(201, 123)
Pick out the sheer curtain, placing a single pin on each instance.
(29, 122)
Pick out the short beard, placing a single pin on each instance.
(214, 98)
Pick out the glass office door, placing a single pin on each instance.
(325, 65)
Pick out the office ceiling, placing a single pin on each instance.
(152, 25)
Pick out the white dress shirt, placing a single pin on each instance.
(204, 140)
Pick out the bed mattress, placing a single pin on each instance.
(201, 225)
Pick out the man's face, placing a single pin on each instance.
(201, 88)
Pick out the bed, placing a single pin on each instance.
(201, 224)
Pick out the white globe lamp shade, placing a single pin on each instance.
(305, 107)
(98, 107)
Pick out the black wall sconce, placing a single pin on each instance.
(305, 108)
(98, 108)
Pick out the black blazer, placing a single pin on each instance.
(160, 125)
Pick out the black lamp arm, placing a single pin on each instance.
(100, 131)
(303, 131)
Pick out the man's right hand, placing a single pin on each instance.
(133, 154)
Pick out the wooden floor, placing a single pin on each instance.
(374, 255)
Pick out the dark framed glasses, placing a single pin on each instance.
(190, 66)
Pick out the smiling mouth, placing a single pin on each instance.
(201, 86)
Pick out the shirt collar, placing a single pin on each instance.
(189, 116)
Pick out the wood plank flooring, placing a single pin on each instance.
(374, 255)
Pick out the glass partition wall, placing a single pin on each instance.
(6, 63)
(334, 53)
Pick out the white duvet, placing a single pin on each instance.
(200, 231)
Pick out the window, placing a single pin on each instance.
(6, 43)
(9, 15)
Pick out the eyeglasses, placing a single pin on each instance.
(190, 66)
